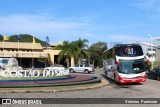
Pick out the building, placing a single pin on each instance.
(149, 49)
(157, 53)
(27, 54)
(152, 50)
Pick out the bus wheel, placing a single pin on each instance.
(158, 78)
(105, 73)
(148, 77)
(115, 79)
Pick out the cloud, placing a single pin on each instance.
(148, 5)
(124, 38)
(152, 7)
(58, 29)
(20, 23)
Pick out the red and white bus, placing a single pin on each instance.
(125, 63)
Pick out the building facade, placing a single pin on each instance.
(27, 54)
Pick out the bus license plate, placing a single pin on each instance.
(133, 80)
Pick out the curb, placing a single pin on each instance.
(99, 85)
(52, 89)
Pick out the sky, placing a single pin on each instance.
(94, 20)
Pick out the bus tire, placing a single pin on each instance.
(148, 76)
(115, 79)
(106, 73)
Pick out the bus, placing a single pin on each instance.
(125, 63)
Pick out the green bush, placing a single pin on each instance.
(156, 64)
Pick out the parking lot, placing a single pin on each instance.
(148, 89)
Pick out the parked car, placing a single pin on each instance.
(154, 74)
(147, 70)
(81, 68)
(56, 67)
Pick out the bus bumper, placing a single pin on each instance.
(132, 80)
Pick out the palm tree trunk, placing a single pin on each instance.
(89, 60)
(45, 64)
(67, 60)
(79, 60)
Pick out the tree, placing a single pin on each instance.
(66, 52)
(1, 37)
(73, 49)
(45, 60)
(96, 51)
(80, 46)
(24, 38)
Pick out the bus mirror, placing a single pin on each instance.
(114, 67)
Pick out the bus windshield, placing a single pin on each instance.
(131, 67)
(129, 51)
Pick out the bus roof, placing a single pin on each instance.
(119, 45)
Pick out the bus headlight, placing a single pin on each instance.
(123, 76)
(143, 74)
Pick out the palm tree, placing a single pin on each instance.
(81, 51)
(73, 49)
(45, 60)
(66, 52)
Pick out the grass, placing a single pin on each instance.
(47, 89)
(156, 64)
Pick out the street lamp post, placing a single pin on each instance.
(151, 38)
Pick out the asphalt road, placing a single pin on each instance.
(148, 89)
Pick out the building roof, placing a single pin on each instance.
(156, 38)
(55, 44)
(148, 44)
(22, 45)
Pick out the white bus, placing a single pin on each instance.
(125, 63)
